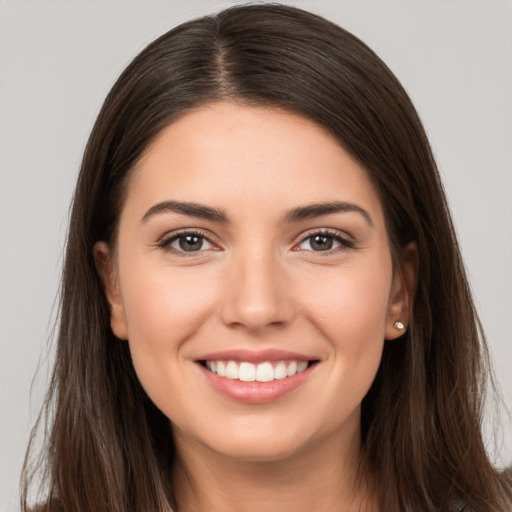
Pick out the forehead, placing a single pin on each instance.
(251, 158)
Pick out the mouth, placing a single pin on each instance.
(266, 371)
(256, 378)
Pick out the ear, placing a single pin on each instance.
(109, 278)
(401, 298)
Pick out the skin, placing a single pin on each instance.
(258, 282)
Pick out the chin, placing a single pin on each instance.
(266, 440)
(260, 450)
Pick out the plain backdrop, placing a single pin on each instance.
(59, 58)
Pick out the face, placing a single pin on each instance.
(252, 277)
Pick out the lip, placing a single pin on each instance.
(255, 392)
(255, 357)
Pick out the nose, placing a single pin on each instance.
(257, 294)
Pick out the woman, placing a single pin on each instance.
(263, 300)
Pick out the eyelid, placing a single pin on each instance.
(169, 237)
(346, 241)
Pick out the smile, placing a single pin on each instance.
(263, 372)
(256, 377)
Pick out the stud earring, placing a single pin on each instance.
(399, 325)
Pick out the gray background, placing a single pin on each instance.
(57, 62)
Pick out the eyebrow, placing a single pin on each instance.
(319, 209)
(294, 215)
(190, 209)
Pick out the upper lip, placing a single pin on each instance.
(255, 356)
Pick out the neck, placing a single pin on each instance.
(317, 478)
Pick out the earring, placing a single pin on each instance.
(399, 325)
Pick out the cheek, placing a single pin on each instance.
(350, 304)
(164, 309)
(351, 316)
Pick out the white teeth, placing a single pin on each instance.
(280, 370)
(302, 366)
(221, 369)
(263, 372)
(232, 370)
(291, 369)
(247, 372)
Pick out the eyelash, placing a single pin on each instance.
(344, 242)
(166, 242)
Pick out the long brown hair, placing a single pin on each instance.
(107, 446)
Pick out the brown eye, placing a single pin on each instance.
(187, 243)
(190, 243)
(321, 242)
(324, 242)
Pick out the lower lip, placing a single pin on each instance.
(256, 392)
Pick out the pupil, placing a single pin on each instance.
(322, 243)
(191, 243)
